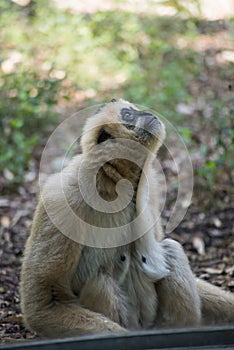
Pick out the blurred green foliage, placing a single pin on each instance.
(52, 54)
(25, 112)
(218, 167)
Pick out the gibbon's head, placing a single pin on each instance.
(121, 119)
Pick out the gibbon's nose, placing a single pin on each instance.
(149, 122)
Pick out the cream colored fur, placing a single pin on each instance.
(69, 288)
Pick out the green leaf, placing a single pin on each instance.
(210, 165)
(16, 123)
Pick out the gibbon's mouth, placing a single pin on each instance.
(103, 136)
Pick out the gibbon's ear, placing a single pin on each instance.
(103, 136)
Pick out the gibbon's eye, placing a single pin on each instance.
(143, 259)
(103, 136)
(127, 115)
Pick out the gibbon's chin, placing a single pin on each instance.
(153, 134)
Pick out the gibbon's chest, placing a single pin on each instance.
(134, 288)
(113, 262)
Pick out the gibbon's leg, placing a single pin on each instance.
(217, 305)
(49, 305)
(52, 310)
(102, 294)
(69, 319)
(178, 298)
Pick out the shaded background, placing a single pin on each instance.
(57, 57)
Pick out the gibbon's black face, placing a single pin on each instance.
(143, 123)
(120, 119)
